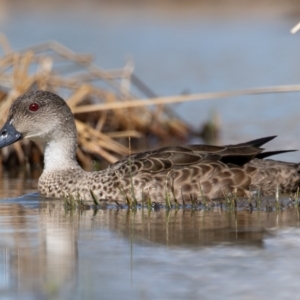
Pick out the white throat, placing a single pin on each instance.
(60, 155)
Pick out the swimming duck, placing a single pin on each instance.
(182, 173)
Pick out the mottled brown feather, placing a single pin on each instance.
(182, 173)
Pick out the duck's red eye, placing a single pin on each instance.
(34, 107)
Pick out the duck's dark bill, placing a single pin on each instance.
(9, 135)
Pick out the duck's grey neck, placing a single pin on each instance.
(60, 155)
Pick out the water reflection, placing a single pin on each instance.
(17, 182)
(39, 252)
(194, 228)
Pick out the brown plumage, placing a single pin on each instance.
(183, 174)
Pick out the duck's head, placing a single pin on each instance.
(40, 116)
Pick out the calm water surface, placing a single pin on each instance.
(48, 252)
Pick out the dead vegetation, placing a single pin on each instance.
(94, 95)
(113, 108)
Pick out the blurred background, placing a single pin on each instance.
(185, 47)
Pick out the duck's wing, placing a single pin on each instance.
(255, 143)
(167, 158)
(271, 153)
(161, 160)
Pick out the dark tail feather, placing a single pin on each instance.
(270, 153)
(258, 142)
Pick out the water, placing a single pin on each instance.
(48, 252)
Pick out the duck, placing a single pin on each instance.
(184, 174)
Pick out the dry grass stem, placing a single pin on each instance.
(185, 98)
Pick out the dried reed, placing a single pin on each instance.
(109, 106)
(53, 67)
